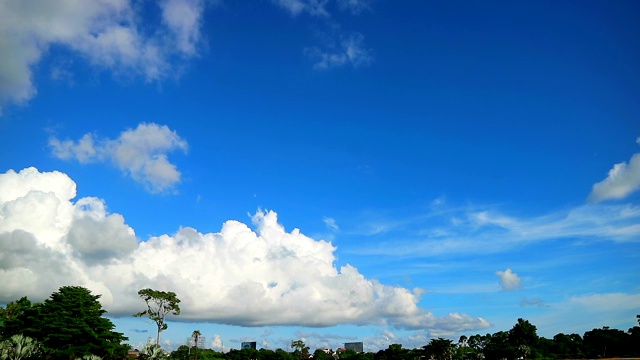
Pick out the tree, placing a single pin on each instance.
(499, 347)
(18, 317)
(300, 349)
(19, 347)
(320, 354)
(605, 342)
(159, 304)
(196, 336)
(523, 338)
(478, 343)
(440, 349)
(71, 324)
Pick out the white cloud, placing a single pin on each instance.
(140, 153)
(482, 230)
(183, 18)
(319, 7)
(343, 49)
(240, 275)
(509, 280)
(107, 33)
(582, 312)
(311, 7)
(354, 6)
(331, 223)
(623, 179)
(351, 51)
(599, 302)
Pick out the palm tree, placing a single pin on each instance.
(196, 336)
(19, 347)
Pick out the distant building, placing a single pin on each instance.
(355, 346)
(248, 345)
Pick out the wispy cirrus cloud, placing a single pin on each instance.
(581, 312)
(331, 224)
(485, 230)
(355, 6)
(320, 8)
(107, 34)
(350, 51)
(297, 7)
(141, 153)
(340, 48)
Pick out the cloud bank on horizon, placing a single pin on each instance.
(237, 276)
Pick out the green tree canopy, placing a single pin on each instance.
(18, 317)
(159, 304)
(71, 324)
(439, 348)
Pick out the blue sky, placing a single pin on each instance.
(332, 171)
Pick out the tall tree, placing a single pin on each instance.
(159, 304)
(523, 337)
(71, 324)
(300, 349)
(196, 336)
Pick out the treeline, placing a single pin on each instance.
(520, 342)
(70, 324)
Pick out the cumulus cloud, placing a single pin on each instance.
(107, 33)
(623, 179)
(351, 51)
(509, 280)
(141, 153)
(249, 275)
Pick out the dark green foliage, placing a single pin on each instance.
(606, 342)
(181, 353)
(72, 325)
(301, 350)
(439, 349)
(19, 317)
(521, 341)
(68, 324)
(319, 354)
